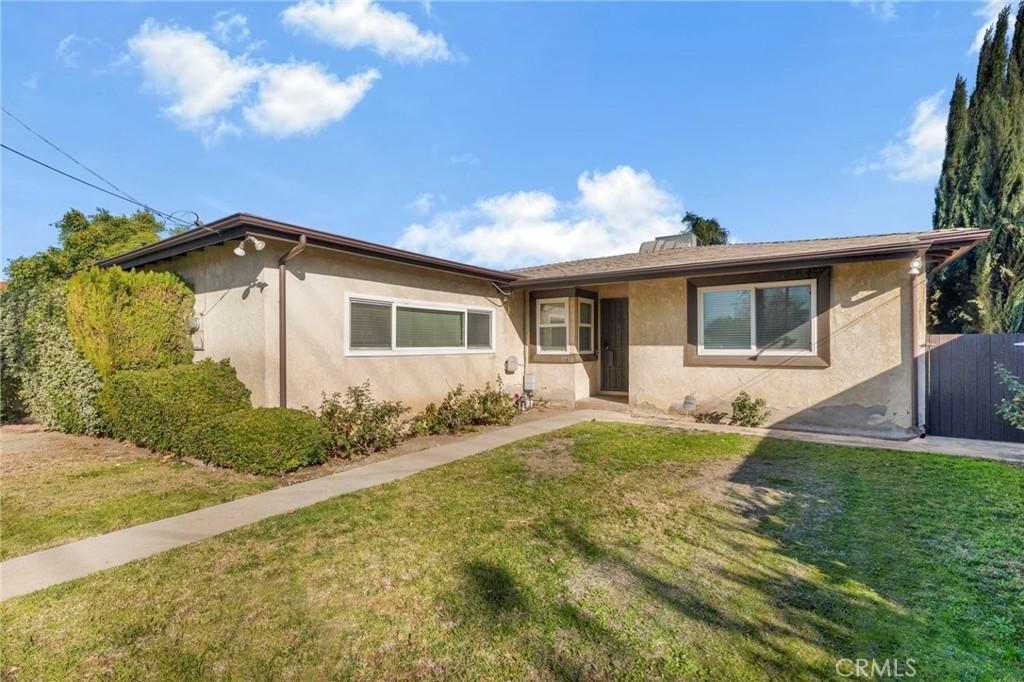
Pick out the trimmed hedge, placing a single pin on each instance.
(262, 440)
(57, 385)
(130, 320)
(159, 408)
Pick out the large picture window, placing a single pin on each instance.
(776, 318)
(381, 326)
(553, 325)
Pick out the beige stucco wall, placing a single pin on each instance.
(867, 385)
(237, 298)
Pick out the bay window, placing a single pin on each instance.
(553, 325)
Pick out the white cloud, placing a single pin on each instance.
(612, 213)
(303, 98)
(69, 49)
(32, 82)
(989, 12)
(362, 23)
(207, 86)
(426, 201)
(230, 27)
(917, 152)
(202, 79)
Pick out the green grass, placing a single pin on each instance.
(599, 552)
(65, 500)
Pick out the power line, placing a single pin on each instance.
(73, 159)
(121, 196)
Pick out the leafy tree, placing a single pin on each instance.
(707, 230)
(982, 186)
(84, 241)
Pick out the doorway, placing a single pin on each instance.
(615, 345)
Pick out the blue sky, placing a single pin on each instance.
(501, 134)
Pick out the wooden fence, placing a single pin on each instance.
(963, 389)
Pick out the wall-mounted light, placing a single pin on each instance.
(915, 266)
(258, 244)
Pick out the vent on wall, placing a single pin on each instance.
(683, 240)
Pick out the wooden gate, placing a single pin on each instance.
(963, 389)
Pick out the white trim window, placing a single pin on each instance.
(388, 326)
(772, 318)
(552, 326)
(585, 332)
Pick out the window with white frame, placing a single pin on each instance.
(585, 333)
(776, 318)
(553, 325)
(383, 326)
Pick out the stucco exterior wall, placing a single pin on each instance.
(866, 386)
(236, 305)
(237, 298)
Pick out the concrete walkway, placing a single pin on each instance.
(32, 572)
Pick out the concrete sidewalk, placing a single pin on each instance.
(32, 572)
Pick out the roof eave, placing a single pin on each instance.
(240, 225)
(910, 248)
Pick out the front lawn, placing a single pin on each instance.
(599, 552)
(57, 488)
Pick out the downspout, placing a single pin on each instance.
(915, 345)
(282, 320)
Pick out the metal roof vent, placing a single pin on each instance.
(683, 240)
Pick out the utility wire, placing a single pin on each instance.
(118, 194)
(73, 159)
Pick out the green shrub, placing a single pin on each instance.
(130, 320)
(460, 411)
(158, 408)
(747, 411)
(262, 440)
(358, 424)
(56, 384)
(1011, 409)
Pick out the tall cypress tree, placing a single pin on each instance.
(982, 186)
(952, 164)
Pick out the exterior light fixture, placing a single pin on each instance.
(915, 266)
(258, 244)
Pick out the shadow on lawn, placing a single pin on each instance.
(605, 629)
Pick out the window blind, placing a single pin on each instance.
(478, 329)
(784, 318)
(727, 319)
(420, 328)
(370, 325)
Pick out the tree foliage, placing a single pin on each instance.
(84, 241)
(707, 230)
(130, 320)
(982, 186)
(30, 287)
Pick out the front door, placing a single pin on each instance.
(615, 344)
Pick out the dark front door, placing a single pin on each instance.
(615, 344)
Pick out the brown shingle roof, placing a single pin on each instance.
(704, 258)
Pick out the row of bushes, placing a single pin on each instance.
(60, 339)
(359, 425)
(202, 410)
